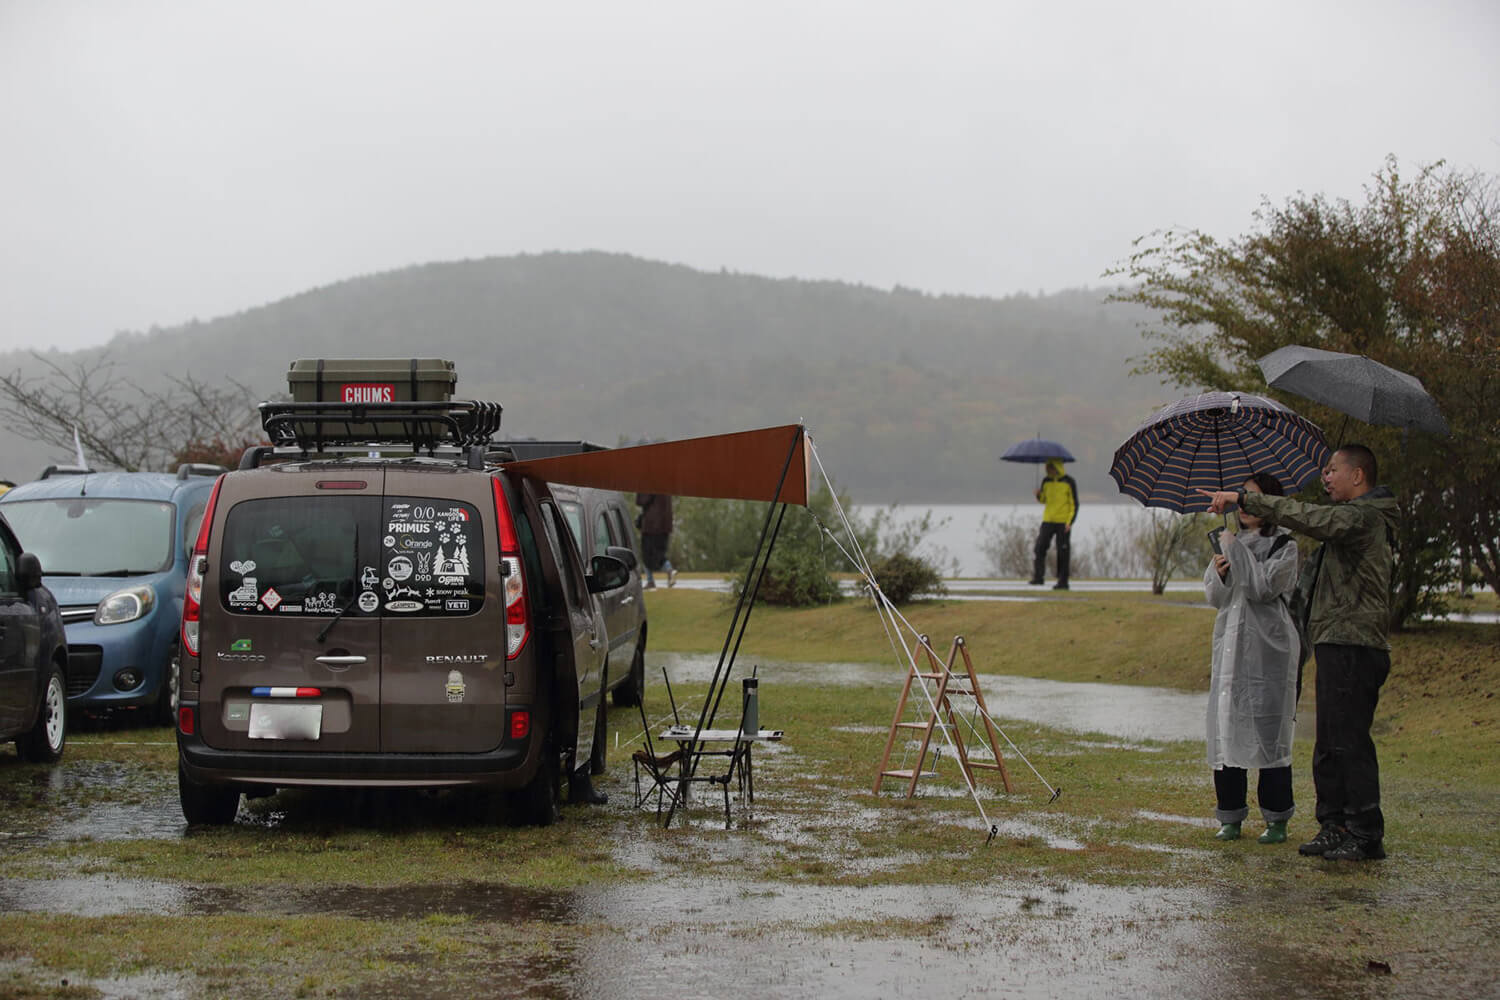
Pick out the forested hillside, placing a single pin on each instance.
(908, 396)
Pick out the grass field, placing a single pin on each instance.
(1134, 819)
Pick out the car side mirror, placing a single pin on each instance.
(622, 553)
(28, 572)
(607, 573)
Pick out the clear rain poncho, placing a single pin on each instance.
(1253, 692)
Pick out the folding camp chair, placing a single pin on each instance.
(661, 770)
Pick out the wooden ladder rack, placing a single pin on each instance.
(949, 686)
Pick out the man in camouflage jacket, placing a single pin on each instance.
(1348, 621)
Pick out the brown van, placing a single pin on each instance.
(370, 609)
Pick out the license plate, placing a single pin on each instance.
(289, 721)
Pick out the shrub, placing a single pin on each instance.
(795, 576)
(903, 576)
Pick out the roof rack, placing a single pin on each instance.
(422, 426)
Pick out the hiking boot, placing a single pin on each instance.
(649, 585)
(1355, 849)
(671, 578)
(1060, 585)
(1229, 831)
(1035, 583)
(1275, 833)
(1329, 837)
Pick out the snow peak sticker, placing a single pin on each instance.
(455, 686)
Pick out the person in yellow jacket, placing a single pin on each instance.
(1059, 497)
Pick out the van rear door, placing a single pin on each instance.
(294, 660)
(444, 665)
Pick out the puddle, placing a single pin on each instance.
(1119, 711)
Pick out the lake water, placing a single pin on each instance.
(962, 533)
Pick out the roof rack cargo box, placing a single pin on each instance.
(371, 380)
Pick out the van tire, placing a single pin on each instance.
(206, 805)
(630, 691)
(166, 699)
(536, 802)
(43, 743)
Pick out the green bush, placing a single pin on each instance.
(902, 576)
(796, 576)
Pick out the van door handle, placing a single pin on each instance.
(340, 661)
(629, 599)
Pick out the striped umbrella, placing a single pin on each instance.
(1215, 441)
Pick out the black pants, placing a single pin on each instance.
(1346, 775)
(1051, 529)
(1273, 792)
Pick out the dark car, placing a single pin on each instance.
(115, 547)
(374, 600)
(33, 657)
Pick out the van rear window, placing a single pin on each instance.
(362, 556)
(432, 557)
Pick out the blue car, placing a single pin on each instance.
(114, 549)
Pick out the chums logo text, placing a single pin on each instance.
(369, 392)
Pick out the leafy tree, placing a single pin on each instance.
(121, 425)
(1411, 278)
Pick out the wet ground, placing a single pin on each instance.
(677, 936)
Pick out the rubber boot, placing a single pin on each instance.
(1275, 833)
(1229, 831)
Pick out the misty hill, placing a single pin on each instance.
(908, 396)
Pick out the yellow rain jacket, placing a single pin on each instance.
(1059, 495)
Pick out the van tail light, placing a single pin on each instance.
(516, 623)
(192, 602)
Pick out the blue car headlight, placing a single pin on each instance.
(125, 605)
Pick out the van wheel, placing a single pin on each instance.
(43, 743)
(633, 687)
(210, 805)
(536, 802)
(166, 699)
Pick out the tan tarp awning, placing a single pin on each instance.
(743, 466)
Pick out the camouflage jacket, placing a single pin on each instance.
(1351, 597)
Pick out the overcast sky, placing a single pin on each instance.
(164, 160)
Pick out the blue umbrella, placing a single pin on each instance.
(1216, 441)
(1036, 451)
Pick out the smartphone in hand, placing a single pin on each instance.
(1213, 541)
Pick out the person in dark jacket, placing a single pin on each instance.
(655, 522)
(1059, 496)
(1348, 620)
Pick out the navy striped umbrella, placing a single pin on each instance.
(1216, 441)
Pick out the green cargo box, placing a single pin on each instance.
(371, 380)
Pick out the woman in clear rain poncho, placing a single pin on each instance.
(1253, 692)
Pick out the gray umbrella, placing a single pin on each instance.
(1352, 383)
